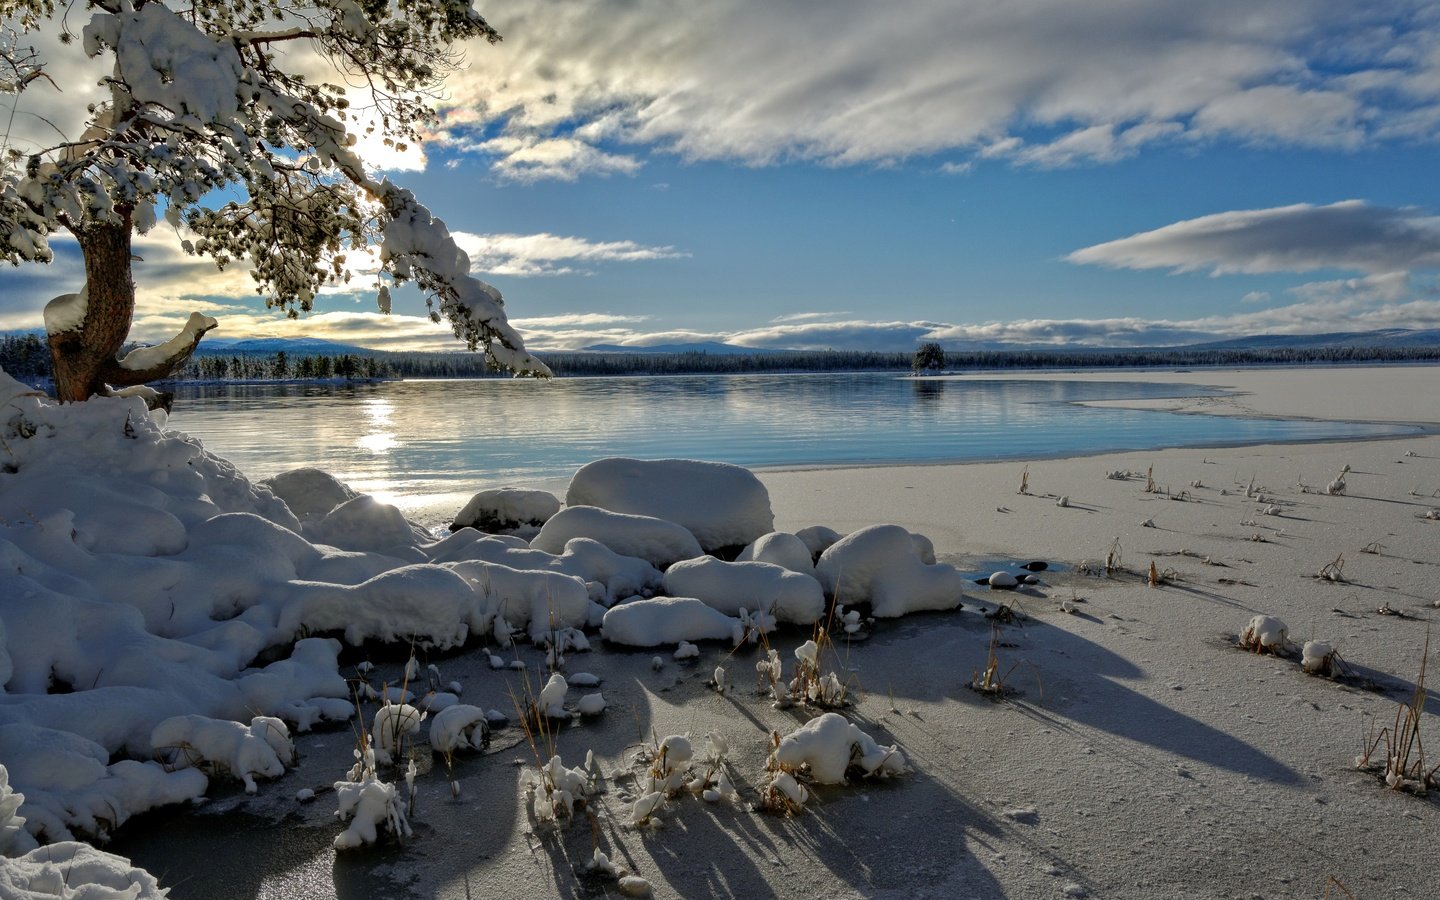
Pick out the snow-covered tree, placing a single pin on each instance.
(929, 357)
(233, 122)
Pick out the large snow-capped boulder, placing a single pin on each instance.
(722, 505)
(507, 510)
(782, 549)
(882, 565)
(667, 620)
(310, 493)
(731, 587)
(657, 541)
(366, 525)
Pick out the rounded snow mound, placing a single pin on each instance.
(830, 745)
(731, 587)
(782, 549)
(667, 620)
(366, 525)
(310, 493)
(722, 505)
(883, 565)
(506, 510)
(657, 541)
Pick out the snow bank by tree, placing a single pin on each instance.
(657, 541)
(731, 587)
(882, 565)
(507, 510)
(720, 504)
(667, 620)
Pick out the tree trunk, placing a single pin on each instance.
(80, 354)
(86, 357)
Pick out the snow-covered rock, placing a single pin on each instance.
(829, 745)
(782, 549)
(720, 504)
(459, 727)
(730, 587)
(506, 510)
(881, 565)
(365, 524)
(817, 539)
(310, 493)
(658, 621)
(657, 541)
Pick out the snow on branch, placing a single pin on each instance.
(141, 365)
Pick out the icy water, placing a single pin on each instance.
(408, 440)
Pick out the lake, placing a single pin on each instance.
(431, 444)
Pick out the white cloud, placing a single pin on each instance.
(550, 254)
(859, 82)
(1350, 235)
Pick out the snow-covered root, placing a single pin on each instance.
(14, 839)
(1265, 634)
(1320, 658)
(371, 807)
(262, 748)
(555, 791)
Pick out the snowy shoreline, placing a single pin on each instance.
(1140, 754)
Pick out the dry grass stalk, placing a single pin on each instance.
(1113, 561)
(1024, 481)
(1333, 571)
(1405, 765)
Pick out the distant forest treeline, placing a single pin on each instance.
(26, 356)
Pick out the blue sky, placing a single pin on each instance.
(859, 175)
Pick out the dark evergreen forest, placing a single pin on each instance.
(25, 356)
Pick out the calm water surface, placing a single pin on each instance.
(410, 439)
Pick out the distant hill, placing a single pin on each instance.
(1386, 337)
(292, 346)
(714, 348)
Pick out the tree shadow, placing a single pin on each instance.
(1076, 680)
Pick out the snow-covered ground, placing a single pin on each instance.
(172, 633)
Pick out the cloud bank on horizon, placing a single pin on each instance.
(583, 106)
